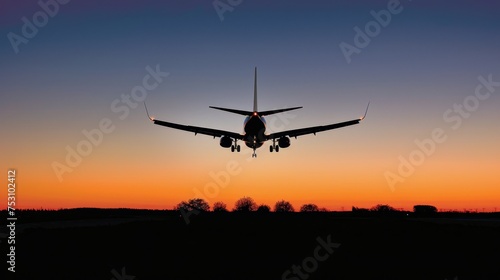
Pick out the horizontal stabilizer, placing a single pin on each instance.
(239, 112)
(270, 112)
(248, 113)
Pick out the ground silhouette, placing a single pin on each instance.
(91, 243)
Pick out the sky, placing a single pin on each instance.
(74, 75)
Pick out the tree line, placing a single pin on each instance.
(245, 204)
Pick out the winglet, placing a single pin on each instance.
(362, 118)
(148, 112)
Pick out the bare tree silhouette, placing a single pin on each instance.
(309, 208)
(181, 205)
(193, 204)
(245, 204)
(360, 210)
(219, 206)
(383, 208)
(264, 208)
(283, 206)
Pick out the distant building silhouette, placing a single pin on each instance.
(424, 210)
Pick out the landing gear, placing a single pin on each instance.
(274, 147)
(254, 147)
(235, 146)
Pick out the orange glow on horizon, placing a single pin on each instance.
(159, 187)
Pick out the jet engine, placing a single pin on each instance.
(284, 142)
(226, 142)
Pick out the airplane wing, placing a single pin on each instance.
(196, 129)
(200, 130)
(315, 129)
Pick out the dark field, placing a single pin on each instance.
(123, 244)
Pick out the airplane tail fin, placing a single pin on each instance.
(265, 113)
(255, 91)
(255, 109)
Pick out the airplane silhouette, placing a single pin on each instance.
(255, 128)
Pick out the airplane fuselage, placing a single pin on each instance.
(255, 128)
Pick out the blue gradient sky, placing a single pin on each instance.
(428, 58)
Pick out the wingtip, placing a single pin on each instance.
(150, 118)
(366, 111)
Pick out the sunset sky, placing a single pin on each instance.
(432, 75)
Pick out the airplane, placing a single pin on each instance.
(255, 128)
